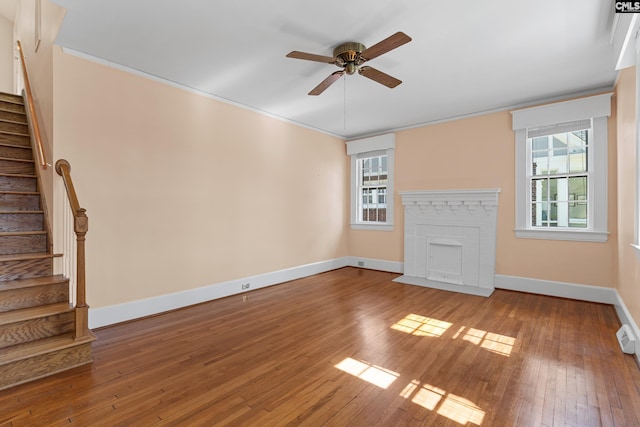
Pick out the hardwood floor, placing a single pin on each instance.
(348, 348)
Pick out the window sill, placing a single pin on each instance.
(578, 235)
(372, 227)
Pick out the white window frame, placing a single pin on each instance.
(597, 108)
(381, 144)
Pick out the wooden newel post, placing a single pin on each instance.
(80, 227)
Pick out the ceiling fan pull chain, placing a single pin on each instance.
(344, 106)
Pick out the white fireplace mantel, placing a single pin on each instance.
(450, 239)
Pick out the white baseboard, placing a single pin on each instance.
(557, 289)
(112, 314)
(376, 264)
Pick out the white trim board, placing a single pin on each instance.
(109, 315)
(557, 289)
(376, 264)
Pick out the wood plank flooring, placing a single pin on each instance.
(348, 348)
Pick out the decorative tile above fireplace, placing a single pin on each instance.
(450, 239)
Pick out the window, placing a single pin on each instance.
(371, 182)
(559, 179)
(561, 170)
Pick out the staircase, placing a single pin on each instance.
(38, 334)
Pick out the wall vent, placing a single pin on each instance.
(626, 340)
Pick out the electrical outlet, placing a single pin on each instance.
(360, 263)
(245, 286)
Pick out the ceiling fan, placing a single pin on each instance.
(350, 56)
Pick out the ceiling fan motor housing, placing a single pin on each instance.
(349, 53)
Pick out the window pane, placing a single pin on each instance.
(559, 189)
(539, 190)
(540, 214)
(382, 195)
(540, 143)
(558, 161)
(540, 165)
(578, 138)
(578, 159)
(578, 187)
(578, 215)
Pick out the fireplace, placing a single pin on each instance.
(450, 239)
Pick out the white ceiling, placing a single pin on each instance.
(466, 56)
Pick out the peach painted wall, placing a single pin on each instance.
(184, 191)
(40, 68)
(629, 267)
(479, 152)
(6, 55)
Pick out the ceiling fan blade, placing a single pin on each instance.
(390, 43)
(311, 57)
(326, 83)
(379, 76)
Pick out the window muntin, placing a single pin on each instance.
(559, 180)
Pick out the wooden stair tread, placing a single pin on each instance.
(13, 122)
(17, 175)
(12, 98)
(25, 256)
(14, 212)
(3, 108)
(27, 193)
(13, 145)
(22, 233)
(42, 346)
(18, 160)
(8, 132)
(8, 101)
(31, 282)
(23, 314)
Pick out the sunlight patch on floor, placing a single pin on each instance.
(421, 326)
(375, 375)
(456, 408)
(496, 343)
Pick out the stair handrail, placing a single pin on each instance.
(81, 226)
(35, 125)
